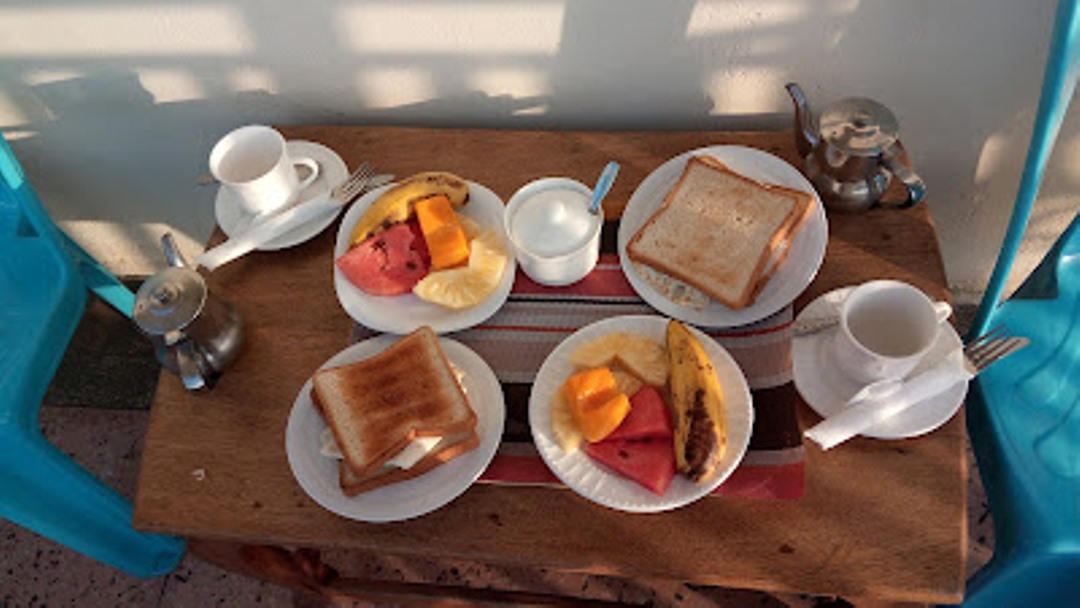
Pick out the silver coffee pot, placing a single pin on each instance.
(195, 334)
(853, 152)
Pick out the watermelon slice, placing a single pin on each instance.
(649, 462)
(388, 263)
(649, 417)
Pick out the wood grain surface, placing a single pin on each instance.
(884, 520)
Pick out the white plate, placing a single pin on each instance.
(318, 475)
(825, 388)
(797, 271)
(234, 219)
(590, 479)
(404, 313)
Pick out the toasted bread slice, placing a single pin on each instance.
(721, 232)
(447, 450)
(377, 406)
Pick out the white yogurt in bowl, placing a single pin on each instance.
(555, 238)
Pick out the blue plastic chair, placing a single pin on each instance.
(1023, 414)
(44, 277)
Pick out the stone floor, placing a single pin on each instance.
(100, 422)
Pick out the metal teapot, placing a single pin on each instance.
(195, 334)
(853, 153)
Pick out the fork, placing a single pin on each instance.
(267, 228)
(992, 346)
(886, 398)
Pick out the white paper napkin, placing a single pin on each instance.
(881, 400)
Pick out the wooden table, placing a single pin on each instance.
(885, 520)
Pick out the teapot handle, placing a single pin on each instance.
(896, 161)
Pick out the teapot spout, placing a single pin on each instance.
(806, 137)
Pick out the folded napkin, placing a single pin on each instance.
(887, 398)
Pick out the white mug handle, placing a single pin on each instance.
(942, 310)
(313, 171)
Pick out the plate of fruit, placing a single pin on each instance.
(428, 250)
(641, 413)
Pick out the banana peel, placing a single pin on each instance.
(397, 204)
(697, 403)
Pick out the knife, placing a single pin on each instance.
(269, 228)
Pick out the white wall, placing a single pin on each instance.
(113, 106)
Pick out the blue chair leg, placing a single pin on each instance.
(99, 280)
(60, 500)
(1059, 83)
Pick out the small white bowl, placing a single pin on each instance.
(563, 268)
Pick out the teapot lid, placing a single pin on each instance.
(169, 300)
(858, 126)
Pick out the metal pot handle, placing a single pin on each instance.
(896, 160)
(187, 360)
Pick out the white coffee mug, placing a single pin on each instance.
(886, 327)
(253, 162)
(555, 238)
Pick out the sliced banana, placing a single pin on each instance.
(396, 204)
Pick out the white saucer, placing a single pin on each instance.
(332, 170)
(825, 388)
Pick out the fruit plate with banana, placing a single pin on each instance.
(428, 250)
(641, 413)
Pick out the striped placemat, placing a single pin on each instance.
(517, 339)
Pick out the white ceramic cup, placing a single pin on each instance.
(885, 329)
(254, 162)
(555, 238)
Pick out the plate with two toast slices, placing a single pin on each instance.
(319, 474)
(594, 481)
(781, 273)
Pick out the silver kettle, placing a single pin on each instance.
(853, 153)
(195, 334)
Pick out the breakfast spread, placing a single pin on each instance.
(646, 408)
(665, 415)
(718, 235)
(412, 239)
(395, 415)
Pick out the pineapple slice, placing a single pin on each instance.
(467, 286)
(641, 356)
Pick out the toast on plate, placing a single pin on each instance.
(395, 415)
(718, 235)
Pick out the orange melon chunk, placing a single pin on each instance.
(597, 405)
(445, 238)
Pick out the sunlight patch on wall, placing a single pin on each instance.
(429, 28)
(995, 150)
(714, 17)
(509, 81)
(249, 78)
(1069, 149)
(392, 87)
(745, 90)
(170, 85)
(44, 76)
(108, 31)
(10, 113)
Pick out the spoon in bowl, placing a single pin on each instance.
(603, 185)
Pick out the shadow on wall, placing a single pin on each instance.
(114, 128)
(115, 162)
